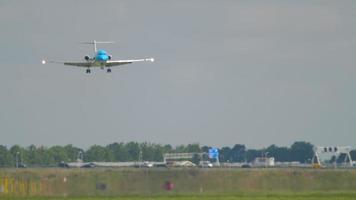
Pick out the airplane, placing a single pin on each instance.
(100, 59)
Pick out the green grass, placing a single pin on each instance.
(205, 184)
(300, 196)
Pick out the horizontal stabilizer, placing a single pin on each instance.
(97, 42)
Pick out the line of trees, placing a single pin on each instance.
(133, 151)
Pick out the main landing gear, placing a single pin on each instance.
(88, 71)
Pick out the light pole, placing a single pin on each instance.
(80, 156)
(140, 158)
(17, 159)
(266, 159)
(266, 154)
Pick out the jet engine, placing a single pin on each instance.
(86, 58)
(109, 56)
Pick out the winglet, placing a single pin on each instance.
(150, 59)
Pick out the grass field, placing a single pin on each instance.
(189, 184)
(310, 196)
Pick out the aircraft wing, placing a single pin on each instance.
(111, 63)
(108, 63)
(78, 64)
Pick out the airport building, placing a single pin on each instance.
(264, 162)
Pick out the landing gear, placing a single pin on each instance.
(108, 70)
(88, 71)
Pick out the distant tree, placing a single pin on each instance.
(205, 149)
(196, 159)
(32, 155)
(117, 152)
(180, 149)
(353, 154)
(22, 154)
(341, 158)
(147, 151)
(5, 157)
(72, 152)
(238, 152)
(193, 148)
(57, 154)
(38, 156)
(301, 151)
(158, 152)
(96, 153)
(133, 150)
(225, 154)
(16, 149)
(281, 154)
(167, 148)
(43, 156)
(251, 154)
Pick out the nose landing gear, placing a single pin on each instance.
(108, 70)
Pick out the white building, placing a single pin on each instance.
(264, 162)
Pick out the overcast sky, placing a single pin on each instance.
(226, 72)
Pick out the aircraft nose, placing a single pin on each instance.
(102, 57)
